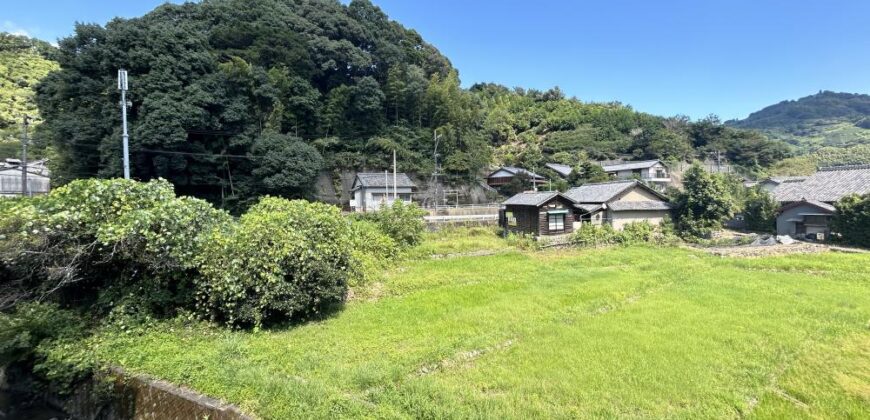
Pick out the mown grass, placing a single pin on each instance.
(622, 332)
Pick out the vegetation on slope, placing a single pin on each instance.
(597, 333)
(223, 90)
(23, 63)
(824, 119)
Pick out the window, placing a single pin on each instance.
(556, 222)
(660, 173)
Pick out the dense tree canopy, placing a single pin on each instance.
(208, 79)
(219, 87)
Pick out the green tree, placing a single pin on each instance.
(852, 219)
(759, 211)
(704, 204)
(284, 165)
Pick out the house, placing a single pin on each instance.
(618, 203)
(543, 213)
(38, 178)
(651, 171)
(371, 191)
(807, 205)
(506, 174)
(563, 170)
(773, 183)
(804, 217)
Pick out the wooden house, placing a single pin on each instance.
(538, 213)
(618, 203)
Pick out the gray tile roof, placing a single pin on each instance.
(628, 166)
(529, 198)
(640, 205)
(827, 185)
(600, 192)
(561, 169)
(781, 179)
(378, 180)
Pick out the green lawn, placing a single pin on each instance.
(622, 332)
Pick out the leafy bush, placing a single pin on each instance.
(631, 234)
(92, 238)
(373, 251)
(760, 211)
(401, 221)
(590, 235)
(522, 241)
(25, 328)
(284, 259)
(852, 219)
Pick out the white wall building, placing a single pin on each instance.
(373, 190)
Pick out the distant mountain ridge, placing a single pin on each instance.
(824, 119)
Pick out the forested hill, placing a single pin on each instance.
(23, 63)
(232, 99)
(824, 119)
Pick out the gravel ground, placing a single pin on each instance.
(778, 249)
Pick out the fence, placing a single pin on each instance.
(10, 185)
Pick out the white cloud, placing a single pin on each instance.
(14, 29)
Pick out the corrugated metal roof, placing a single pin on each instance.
(379, 180)
(561, 169)
(599, 192)
(531, 198)
(639, 205)
(589, 208)
(827, 185)
(627, 166)
(515, 170)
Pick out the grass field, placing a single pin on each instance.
(622, 332)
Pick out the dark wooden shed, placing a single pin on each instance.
(538, 213)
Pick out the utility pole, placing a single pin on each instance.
(395, 179)
(24, 190)
(122, 86)
(437, 172)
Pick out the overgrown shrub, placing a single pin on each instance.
(401, 221)
(373, 251)
(95, 238)
(852, 219)
(283, 259)
(760, 211)
(29, 324)
(589, 235)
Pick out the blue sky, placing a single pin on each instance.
(692, 57)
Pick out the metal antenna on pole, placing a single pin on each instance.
(122, 86)
(24, 190)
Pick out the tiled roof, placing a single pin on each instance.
(824, 206)
(600, 192)
(827, 185)
(639, 205)
(531, 198)
(561, 169)
(781, 179)
(379, 180)
(514, 170)
(628, 166)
